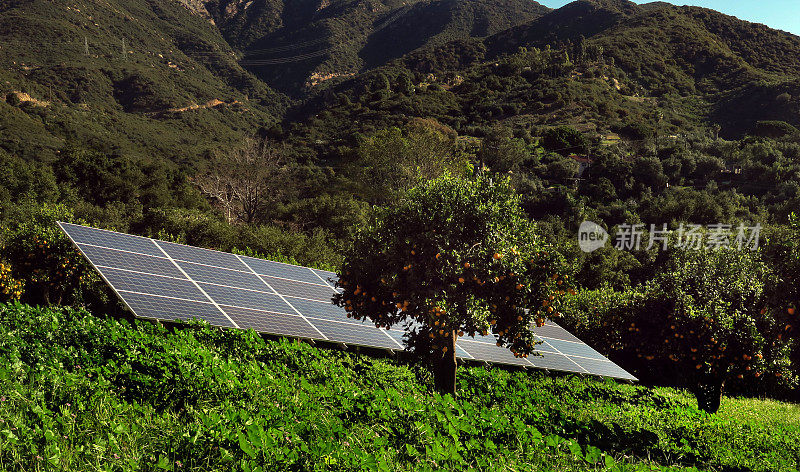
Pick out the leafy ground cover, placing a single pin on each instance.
(81, 392)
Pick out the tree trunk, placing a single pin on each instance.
(709, 394)
(444, 375)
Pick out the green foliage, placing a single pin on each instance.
(712, 321)
(702, 321)
(391, 161)
(783, 253)
(775, 129)
(10, 288)
(501, 151)
(117, 103)
(113, 137)
(78, 390)
(565, 140)
(365, 38)
(454, 257)
(40, 254)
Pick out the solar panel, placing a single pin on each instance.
(168, 281)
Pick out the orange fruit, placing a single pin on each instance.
(466, 265)
(791, 311)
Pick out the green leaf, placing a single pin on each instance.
(163, 463)
(245, 445)
(411, 451)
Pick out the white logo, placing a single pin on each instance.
(591, 236)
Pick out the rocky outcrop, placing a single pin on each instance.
(197, 7)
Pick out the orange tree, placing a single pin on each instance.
(453, 258)
(703, 322)
(784, 254)
(40, 255)
(10, 288)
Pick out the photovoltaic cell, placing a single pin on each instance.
(322, 310)
(552, 361)
(247, 299)
(488, 339)
(272, 323)
(202, 256)
(554, 331)
(604, 368)
(490, 353)
(99, 237)
(300, 289)
(285, 271)
(126, 260)
(183, 282)
(569, 348)
(544, 347)
(153, 285)
(329, 278)
(170, 309)
(220, 276)
(360, 335)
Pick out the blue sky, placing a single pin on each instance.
(779, 14)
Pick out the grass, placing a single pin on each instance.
(81, 392)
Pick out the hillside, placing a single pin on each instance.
(295, 46)
(598, 66)
(151, 398)
(611, 63)
(112, 75)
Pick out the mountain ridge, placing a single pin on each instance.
(286, 44)
(699, 62)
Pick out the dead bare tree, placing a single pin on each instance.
(245, 180)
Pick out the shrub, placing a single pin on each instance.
(54, 272)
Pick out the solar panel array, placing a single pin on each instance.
(167, 281)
